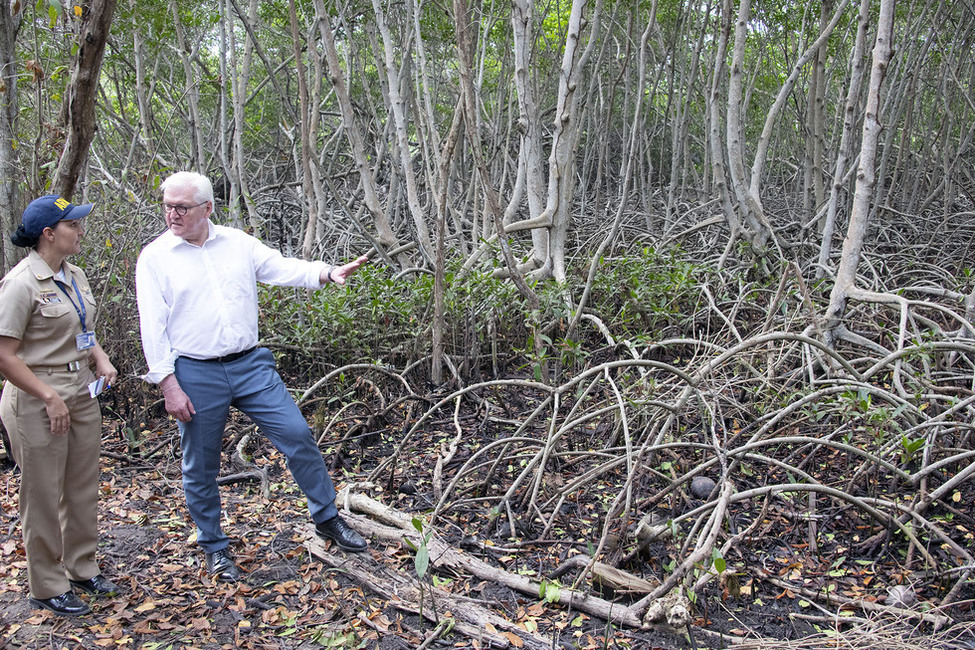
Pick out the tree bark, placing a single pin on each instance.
(239, 82)
(845, 150)
(142, 93)
(397, 107)
(81, 94)
(10, 170)
(307, 128)
(531, 167)
(845, 286)
(191, 95)
(568, 130)
(719, 168)
(367, 178)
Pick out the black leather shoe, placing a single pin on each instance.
(339, 532)
(97, 586)
(67, 604)
(221, 564)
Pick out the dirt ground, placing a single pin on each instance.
(288, 599)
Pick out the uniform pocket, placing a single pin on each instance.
(55, 310)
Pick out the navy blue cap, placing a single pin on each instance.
(46, 211)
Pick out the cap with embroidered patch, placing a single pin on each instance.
(46, 211)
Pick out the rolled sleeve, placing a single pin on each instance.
(153, 317)
(274, 268)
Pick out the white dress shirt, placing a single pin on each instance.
(201, 301)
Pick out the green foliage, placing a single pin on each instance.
(421, 561)
(549, 592)
(910, 447)
(644, 292)
(874, 419)
(53, 8)
(347, 640)
(385, 319)
(421, 558)
(717, 561)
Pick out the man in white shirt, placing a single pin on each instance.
(196, 286)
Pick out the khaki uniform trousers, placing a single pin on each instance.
(58, 481)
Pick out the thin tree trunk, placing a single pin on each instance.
(813, 193)
(10, 171)
(748, 187)
(272, 71)
(567, 131)
(81, 94)
(397, 106)
(473, 129)
(715, 120)
(305, 131)
(239, 85)
(191, 94)
(845, 152)
(747, 206)
(683, 97)
(142, 94)
(228, 55)
(845, 285)
(367, 179)
(531, 169)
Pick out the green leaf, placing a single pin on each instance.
(719, 563)
(422, 561)
(552, 593)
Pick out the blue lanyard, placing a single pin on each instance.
(81, 311)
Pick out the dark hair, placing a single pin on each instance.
(23, 239)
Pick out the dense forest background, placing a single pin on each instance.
(684, 290)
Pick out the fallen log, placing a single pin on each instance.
(445, 556)
(471, 619)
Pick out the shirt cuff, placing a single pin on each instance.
(320, 268)
(163, 369)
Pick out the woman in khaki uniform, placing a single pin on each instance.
(47, 346)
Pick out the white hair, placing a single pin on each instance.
(201, 185)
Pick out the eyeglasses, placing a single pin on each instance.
(181, 210)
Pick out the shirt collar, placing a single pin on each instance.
(42, 271)
(173, 241)
(38, 266)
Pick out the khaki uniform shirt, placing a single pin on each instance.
(42, 316)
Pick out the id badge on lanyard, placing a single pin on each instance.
(86, 339)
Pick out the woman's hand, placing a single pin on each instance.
(103, 367)
(57, 412)
(17, 373)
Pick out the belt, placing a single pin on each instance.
(74, 366)
(233, 356)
